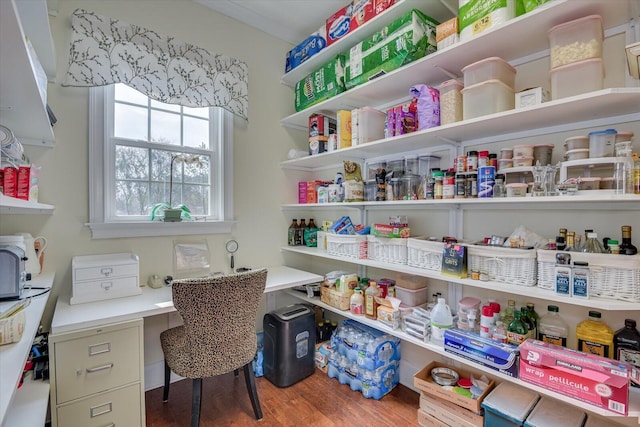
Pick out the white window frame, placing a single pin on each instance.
(104, 228)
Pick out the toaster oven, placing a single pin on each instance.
(12, 272)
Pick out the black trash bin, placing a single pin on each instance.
(289, 344)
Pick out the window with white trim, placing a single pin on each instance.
(135, 142)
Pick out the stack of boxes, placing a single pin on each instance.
(488, 88)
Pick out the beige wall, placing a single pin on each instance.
(259, 146)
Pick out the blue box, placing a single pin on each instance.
(508, 405)
(502, 357)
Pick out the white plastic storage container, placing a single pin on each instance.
(577, 78)
(493, 68)
(412, 297)
(602, 143)
(549, 412)
(100, 277)
(488, 97)
(367, 124)
(576, 40)
(450, 102)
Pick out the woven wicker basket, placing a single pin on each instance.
(506, 265)
(387, 249)
(610, 276)
(347, 245)
(423, 253)
(334, 298)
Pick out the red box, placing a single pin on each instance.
(23, 183)
(10, 181)
(352, 16)
(597, 380)
(312, 191)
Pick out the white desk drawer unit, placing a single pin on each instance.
(92, 370)
(100, 277)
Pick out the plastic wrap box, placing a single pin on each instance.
(372, 384)
(597, 380)
(366, 346)
(508, 405)
(101, 277)
(306, 49)
(422, 381)
(502, 357)
(449, 413)
(406, 39)
(320, 85)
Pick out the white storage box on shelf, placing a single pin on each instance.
(450, 102)
(101, 277)
(424, 253)
(577, 78)
(387, 249)
(412, 297)
(488, 97)
(507, 265)
(367, 124)
(493, 68)
(576, 40)
(611, 276)
(347, 245)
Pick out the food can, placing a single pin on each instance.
(486, 179)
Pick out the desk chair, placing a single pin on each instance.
(218, 335)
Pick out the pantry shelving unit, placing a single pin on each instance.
(603, 108)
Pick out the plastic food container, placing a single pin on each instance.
(517, 189)
(522, 161)
(624, 136)
(576, 142)
(505, 163)
(506, 153)
(542, 153)
(395, 166)
(450, 101)
(577, 78)
(522, 150)
(491, 96)
(577, 154)
(426, 163)
(373, 167)
(508, 405)
(602, 143)
(589, 183)
(576, 40)
(493, 68)
(412, 297)
(468, 303)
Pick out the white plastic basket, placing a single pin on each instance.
(506, 265)
(423, 253)
(611, 276)
(387, 249)
(347, 245)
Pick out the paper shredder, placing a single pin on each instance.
(289, 344)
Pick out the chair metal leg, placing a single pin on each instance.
(167, 377)
(195, 402)
(249, 378)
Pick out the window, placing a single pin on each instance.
(134, 143)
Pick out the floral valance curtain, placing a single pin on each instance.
(105, 51)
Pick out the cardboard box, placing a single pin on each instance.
(323, 351)
(426, 420)
(454, 260)
(597, 380)
(343, 127)
(10, 181)
(404, 40)
(422, 380)
(531, 97)
(320, 127)
(501, 357)
(386, 230)
(306, 49)
(449, 413)
(446, 29)
(302, 192)
(322, 84)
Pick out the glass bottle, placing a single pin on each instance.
(499, 189)
(292, 234)
(508, 315)
(593, 245)
(301, 227)
(370, 303)
(626, 343)
(524, 316)
(552, 328)
(595, 336)
(437, 187)
(533, 315)
(626, 247)
(570, 245)
(517, 332)
(311, 224)
(636, 175)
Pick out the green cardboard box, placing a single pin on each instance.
(320, 85)
(404, 40)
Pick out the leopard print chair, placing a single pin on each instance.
(218, 335)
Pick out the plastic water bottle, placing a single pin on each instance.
(441, 319)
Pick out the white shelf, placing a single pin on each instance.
(13, 356)
(576, 111)
(30, 404)
(525, 291)
(11, 205)
(531, 27)
(21, 107)
(634, 404)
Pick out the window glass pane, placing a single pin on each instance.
(200, 112)
(132, 162)
(130, 122)
(197, 173)
(196, 133)
(159, 193)
(132, 198)
(160, 165)
(163, 106)
(196, 197)
(128, 94)
(165, 127)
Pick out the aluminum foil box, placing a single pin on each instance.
(101, 277)
(502, 357)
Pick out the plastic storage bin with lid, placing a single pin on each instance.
(550, 412)
(508, 405)
(576, 40)
(488, 97)
(577, 78)
(493, 68)
(450, 102)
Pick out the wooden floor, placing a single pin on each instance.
(316, 401)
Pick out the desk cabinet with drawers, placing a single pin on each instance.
(97, 376)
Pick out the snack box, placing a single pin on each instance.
(323, 351)
(422, 381)
(449, 413)
(306, 49)
(496, 355)
(386, 230)
(404, 40)
(322, 84)
(353, 16)
(597, 380)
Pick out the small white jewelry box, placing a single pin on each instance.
(101, 277)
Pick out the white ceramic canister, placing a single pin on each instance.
(32, 264)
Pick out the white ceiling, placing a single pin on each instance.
(294, 20)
